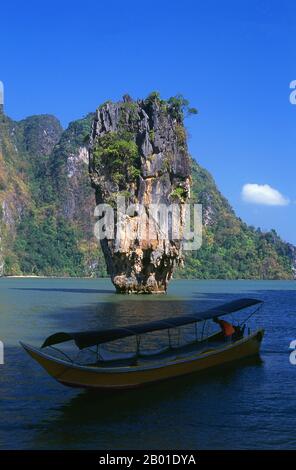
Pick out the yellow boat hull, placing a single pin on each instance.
(75, 375)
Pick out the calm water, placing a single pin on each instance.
(248, 406)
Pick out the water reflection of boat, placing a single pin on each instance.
(140, 368)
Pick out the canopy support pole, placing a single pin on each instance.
(98, 352)
(138, 339)
(169, 336)
(62, 352)
(251, 314)
(203, 330)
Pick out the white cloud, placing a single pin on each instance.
(263, 194)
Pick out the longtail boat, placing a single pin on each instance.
(141, 368)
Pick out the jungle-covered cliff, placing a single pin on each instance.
(138, 149)
(47, 203)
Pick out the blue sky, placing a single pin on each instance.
(233, 60)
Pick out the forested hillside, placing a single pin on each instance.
(47, 203)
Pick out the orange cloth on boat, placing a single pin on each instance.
(226, 327)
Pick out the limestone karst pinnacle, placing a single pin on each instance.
(138, 149)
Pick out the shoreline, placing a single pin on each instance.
(33, 276)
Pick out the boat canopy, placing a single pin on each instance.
(85, 339)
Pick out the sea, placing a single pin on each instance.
(250, 404)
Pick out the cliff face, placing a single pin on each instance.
(138, 150)
(46, 201)
(73, 196)
(24, 149)
(37, 135)
(68, 171)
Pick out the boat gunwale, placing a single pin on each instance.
(139, 368)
